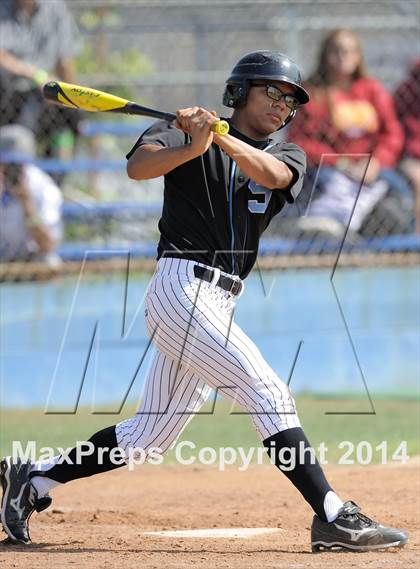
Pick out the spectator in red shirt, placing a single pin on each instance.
(407, 103)
(350, 117)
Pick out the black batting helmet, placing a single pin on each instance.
(265, 65)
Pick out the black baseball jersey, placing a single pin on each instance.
(218, 218)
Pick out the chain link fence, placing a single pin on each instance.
(169, 55)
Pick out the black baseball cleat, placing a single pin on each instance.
(20, 499)
(354, 531)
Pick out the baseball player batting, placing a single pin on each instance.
(220, 194)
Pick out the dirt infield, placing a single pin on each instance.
(100, 523)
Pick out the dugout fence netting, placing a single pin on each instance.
(172, 54)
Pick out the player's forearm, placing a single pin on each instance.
(153, 161)
(261, 167)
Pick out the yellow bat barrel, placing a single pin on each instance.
(92, 100)
(78, 97)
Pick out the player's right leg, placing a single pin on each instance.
(19, 500)
(172, 395)
(25, 485)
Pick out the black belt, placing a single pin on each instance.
(234, 286)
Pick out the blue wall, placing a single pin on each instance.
(279, 311)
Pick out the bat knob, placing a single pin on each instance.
(220, 127)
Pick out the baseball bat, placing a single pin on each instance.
(88, 99)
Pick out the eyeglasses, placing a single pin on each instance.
(277, 95)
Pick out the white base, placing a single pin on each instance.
(240, 533)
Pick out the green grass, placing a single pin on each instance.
(394, 421)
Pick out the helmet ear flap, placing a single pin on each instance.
(235, 94)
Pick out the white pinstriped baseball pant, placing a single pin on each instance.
(200, 348)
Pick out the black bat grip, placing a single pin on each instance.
(168, 116)
(136, 109)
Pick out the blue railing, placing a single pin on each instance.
(268, 247)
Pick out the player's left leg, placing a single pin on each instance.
(335, 524)
(279, 427)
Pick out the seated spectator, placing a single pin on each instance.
(37, 43)
(351, 135)
(407, 102)
(30, 220)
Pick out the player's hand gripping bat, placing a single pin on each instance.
(87, 99)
